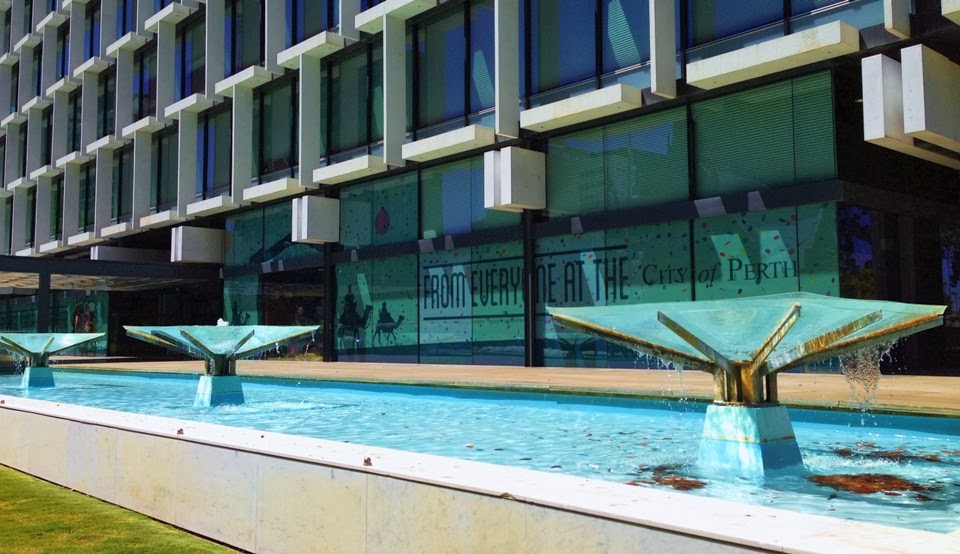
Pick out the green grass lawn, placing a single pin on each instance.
(36, 516)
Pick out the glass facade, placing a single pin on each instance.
(73, 121)
(121, 201)
(63, 52)
(243, 44)
(454, 60)
(163, 179)
(30, 222)
(88, 177)
(56, 208)
(46, 135)
(214, 153)
(306, 18)
(106, 102)
(91, 30)
(190, 56)
(355, 85)
(145, 82)
(275, 130)
(126, 17)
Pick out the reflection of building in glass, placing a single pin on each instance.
(604, 157)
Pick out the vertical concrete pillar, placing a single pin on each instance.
(348, 13)
(103, 190)
(166, 50)
(18, 229)
(214, 45)
(124, 107)
(49, 59)
(42, 229)
(34, 138)
(394, 90)
(58, 144)
(144, 11)
(242, 141)
(187, 163)
(88, 110)
(274, 36)
(78, 26)
(11, 168)
(663, 48)
(25, 86)
(142, 174)
(310, 112)
(71, 199)
(108, 25)
(507, 67)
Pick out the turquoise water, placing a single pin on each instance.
(642, 442)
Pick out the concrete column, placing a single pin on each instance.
(6, 77)
(214, 45)
(34, 138)
(11, 166)
(394, 90)
(71, 200)
(187, 162)
(242, 141)
(310, 111)
(103, 190)
(507, 67)
(144, 11)
(142, 173)
(49, 69)
(88, 110)
(58, 144)
(42, 230)
(663, 48)
(124, 108)
(25, 86)
(108, 25)
(166, 52)
(274, 33)
(18, 235)
(77, 27)
(348, 13)
(16, 25)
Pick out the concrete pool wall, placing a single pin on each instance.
(268, 492)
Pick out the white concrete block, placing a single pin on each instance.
(371, 20)
(315, 219)
(896, 17)
(318, 46)
(273, 190)
(585, 107)
(951, 10)
(514, 179)
(931, 97)
(780, 54)
(663, 48)
(196, 245)
(449, 143)
(355, 168)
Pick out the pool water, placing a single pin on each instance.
(640, 442)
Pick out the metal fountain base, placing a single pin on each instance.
(218, 390)
(748, 440)
(37, 377)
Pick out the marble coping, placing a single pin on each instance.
(33, 428)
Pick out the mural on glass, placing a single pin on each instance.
(650, 263)
(472, 305)
(376, 310)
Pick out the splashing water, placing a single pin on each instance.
(862, 371)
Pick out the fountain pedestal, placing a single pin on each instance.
(748, 440)
(218, 390)
(37, 377)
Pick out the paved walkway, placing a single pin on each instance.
(933, 395)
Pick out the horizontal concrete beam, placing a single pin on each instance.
(813, 45)
(449, 143)
(582, 108)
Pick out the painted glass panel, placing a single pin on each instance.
(381, 212)
(452, 198)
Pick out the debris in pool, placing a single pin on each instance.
(869, 483)
(469, 445)
(923, 498)
(367, 461)
(179, 431)
(679, 483)
(525, 459)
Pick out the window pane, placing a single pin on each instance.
(710, 20)
(277, 127)
(349, 101)
(575, 173)
(626, 36)
(442, 46)
(563, 50)
(481, 56)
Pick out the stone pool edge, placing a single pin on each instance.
(267, 491)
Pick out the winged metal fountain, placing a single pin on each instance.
(220, 347)
(745, 343)
(37, 349)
